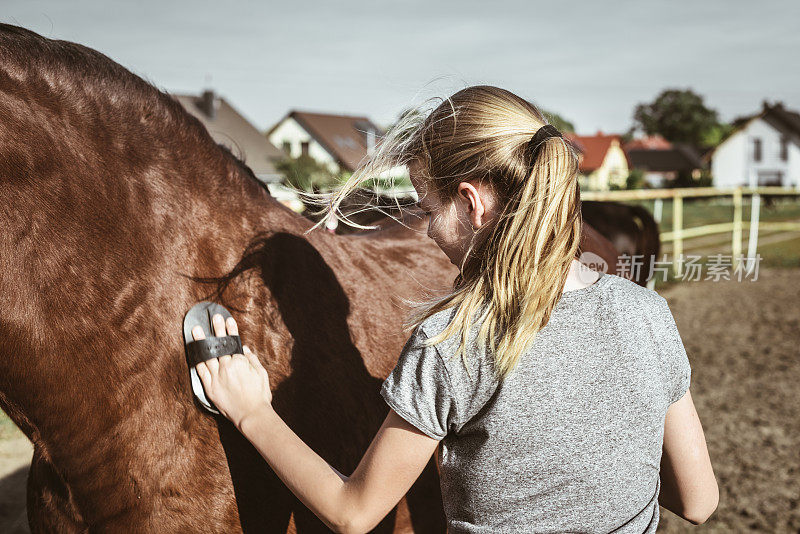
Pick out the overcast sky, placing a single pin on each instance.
(590, 61)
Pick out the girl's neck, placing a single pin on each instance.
(580, 276)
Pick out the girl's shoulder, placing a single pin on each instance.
(628, 292)
(475, 363)
(437, 322)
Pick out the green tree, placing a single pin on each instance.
(715, 135)
(685, 179)
(559, 122)
(304, 172)
(680, 116)
(635, 180)
(705, 179)
(398, 182)
(628, 136)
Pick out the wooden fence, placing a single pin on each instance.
(735, 227)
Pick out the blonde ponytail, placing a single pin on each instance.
(515, 269)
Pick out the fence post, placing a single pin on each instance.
(677, 230)
(752, 243)
(736, 245)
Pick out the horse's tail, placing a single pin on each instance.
(648, 241)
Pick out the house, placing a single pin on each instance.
(661, 160)
(228, 127)
(603, 163)
(762, 149)
(340, 142)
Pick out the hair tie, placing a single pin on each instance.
(545, 132)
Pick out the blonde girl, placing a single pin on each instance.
(556, 396)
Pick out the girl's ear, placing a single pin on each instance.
(475, 208)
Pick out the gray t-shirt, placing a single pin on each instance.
(572, 440)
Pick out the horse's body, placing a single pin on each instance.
(110, 195)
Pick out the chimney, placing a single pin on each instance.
(206, 104)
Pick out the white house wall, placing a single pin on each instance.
(291, 131)
(614, 170)
(793, 178)
(616, 164)
(729, 161)
(732, 163)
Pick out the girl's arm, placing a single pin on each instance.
(688, 485)
(239, 387)
(394, 460)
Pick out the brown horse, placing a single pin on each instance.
(113, 200)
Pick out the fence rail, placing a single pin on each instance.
(735, 227)
(648, 194)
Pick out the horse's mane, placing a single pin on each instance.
(72, 80)
(244, 168)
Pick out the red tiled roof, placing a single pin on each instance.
(593, 147)
(343, 136)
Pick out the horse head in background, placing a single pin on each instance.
(632, 231)
(114, 202)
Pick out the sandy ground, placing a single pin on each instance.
(743, 342)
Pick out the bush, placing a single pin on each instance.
(306, 173)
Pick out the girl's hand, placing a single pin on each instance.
(237, 384)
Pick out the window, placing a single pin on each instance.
(304, 148)
(287, 147)
(345, 142)
(784, 148)
(756, 149)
